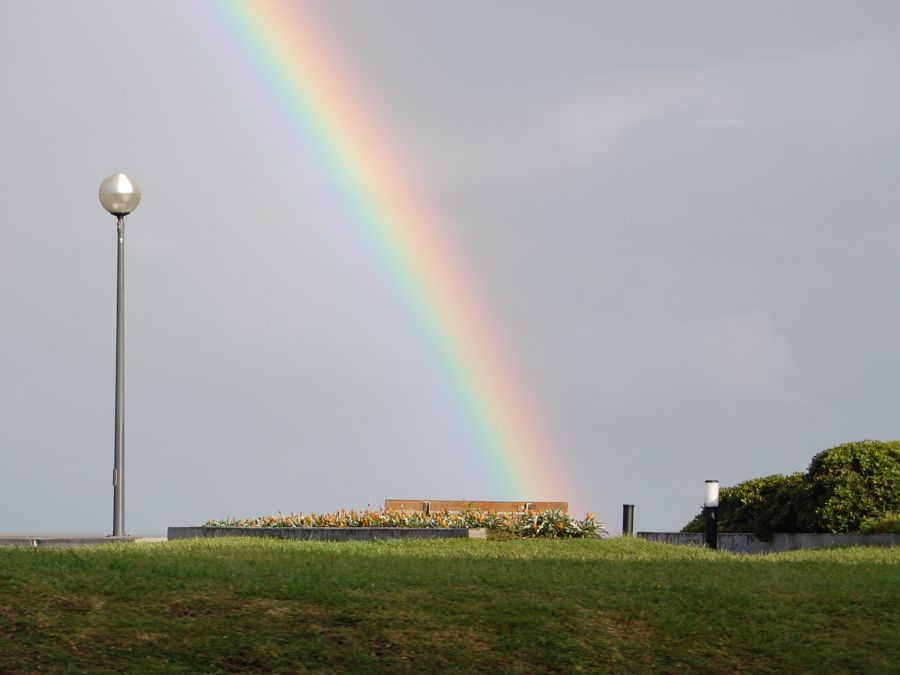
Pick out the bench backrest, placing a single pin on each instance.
(461, 506)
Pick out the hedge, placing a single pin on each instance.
(843, 487)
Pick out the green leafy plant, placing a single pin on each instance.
(763, 506)
(889, 524)
(843, 487)
(853, 482)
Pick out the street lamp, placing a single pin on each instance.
(711, 512)
(120, 194)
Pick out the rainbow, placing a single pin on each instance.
(292, 54)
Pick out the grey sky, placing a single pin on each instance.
(685, 217)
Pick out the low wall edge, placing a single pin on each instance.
(743, 542)
(325, 533)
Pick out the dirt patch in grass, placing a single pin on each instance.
(71, 603)
(607, 627)
(205, 606)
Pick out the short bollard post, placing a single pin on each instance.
(627, 520)
(711, 512)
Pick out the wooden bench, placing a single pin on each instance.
(426, 506)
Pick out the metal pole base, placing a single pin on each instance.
(627, 520)
(711, 515)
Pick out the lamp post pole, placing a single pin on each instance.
(120, 195)
(711, 513)
(119, 452)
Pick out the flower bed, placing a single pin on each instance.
(550, 524)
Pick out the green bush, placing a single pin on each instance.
(853, 482)
(889, 524)
(844, 486)
(763, 506)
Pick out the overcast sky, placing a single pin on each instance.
(684, 217)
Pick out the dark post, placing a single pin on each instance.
(119, 457)
(627, 520)
(710, 513)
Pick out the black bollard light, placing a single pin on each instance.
(627, 520)
(711, 512)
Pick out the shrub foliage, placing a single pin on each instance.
(843, 487)
(853, 482)
(888, 524)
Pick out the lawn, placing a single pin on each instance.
(619, 605)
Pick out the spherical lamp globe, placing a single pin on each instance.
(120, 194)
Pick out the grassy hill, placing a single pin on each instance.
(446, 606)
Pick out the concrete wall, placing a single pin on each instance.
(747, 543)
(51, 541)
(326, 533)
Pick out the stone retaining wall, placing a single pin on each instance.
(748, 543)
(42, 541)
(327, 533)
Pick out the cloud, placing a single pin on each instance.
(744, 355)
(835, 94)
(651, 360)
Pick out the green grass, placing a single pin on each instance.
(533, 606)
